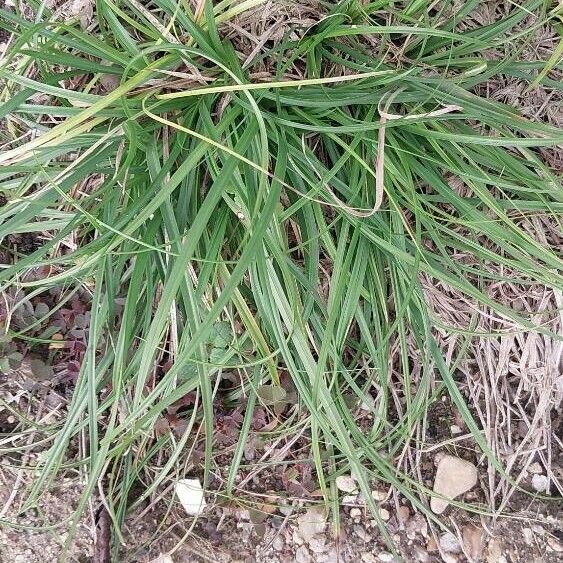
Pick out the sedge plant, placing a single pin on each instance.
(265, 214)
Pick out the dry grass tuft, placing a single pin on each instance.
(269, 24)
(513, 377)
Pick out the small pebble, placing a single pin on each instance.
(369, 558)
(278, 543)
(318, 544)
(312, 522)
(384, 556)
(330, 556)
(347, 500)
(296, 538)
(361, 532)
(379, 496)
(454, 476)
(355, 513)
(537, 529)
(417, 525)
(346, 484)
(554, 544)
(286, 510)
(540, 483)
(384, 514)
(449, 543)
(421, 555)
(403, 514)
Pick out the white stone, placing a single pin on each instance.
(421, 555)
(329, 557)
(346, 484)
(379, 495)
(454, 476)
(554, 544)
(190, 493)
(540, 483)
(384, 556)
(296, 538)
(355, 513)
(417, 524)
(286, 509)
(537, 529)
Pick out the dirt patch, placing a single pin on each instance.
(229, 535)
(36, 535)
(267, 524)
(35, 532)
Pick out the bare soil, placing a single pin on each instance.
(266, 523)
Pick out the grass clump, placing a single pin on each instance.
(245, 221)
